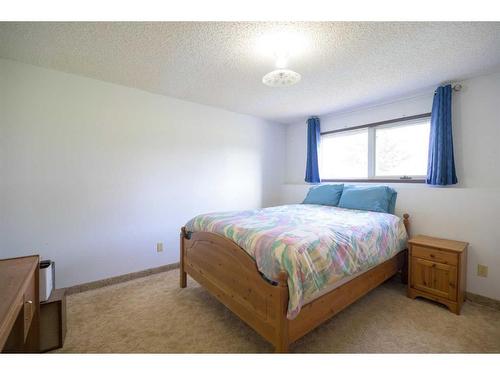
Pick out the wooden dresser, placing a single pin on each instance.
(20, 305)
(437, 270)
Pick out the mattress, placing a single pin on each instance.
(320, 247)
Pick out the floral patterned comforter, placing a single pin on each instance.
(316, 245)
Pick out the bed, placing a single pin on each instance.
(285, 270)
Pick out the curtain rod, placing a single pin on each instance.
(372, 124)
(454, 86)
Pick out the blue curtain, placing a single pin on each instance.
(441, 165)
(313, 139)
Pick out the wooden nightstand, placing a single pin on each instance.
(437, 270)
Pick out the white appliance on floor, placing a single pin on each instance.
(47, 279)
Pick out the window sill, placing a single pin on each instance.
(378, 180)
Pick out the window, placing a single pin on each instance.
(392, 150)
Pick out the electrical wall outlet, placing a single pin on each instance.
(159, 247)
(482, 270)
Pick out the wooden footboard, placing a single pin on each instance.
(231, 275)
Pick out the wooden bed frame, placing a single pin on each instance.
(231, 275)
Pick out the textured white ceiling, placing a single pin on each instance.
(346, 64)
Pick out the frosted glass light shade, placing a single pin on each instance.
(281, 78)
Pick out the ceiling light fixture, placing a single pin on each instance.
(281, 78)
(281, 47)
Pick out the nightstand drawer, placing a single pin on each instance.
(434, 255)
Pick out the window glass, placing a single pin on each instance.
(345, 155)
(402, 150)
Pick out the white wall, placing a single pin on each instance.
(469, 211)
(93, 174)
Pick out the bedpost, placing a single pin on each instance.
(404, 269)
(406, 221)
(182, 273)
(282, 343)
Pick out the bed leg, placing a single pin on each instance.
(182, 273)
(183, 279)
(281, 348)
(404, 268)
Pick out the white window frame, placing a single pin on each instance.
(372, 177)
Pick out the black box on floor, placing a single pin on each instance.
(53, 321)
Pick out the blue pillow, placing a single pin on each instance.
(327, 195)
(369, 198)
(392, 202)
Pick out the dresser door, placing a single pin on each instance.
(434, 278)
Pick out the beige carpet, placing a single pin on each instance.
(153, 315)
